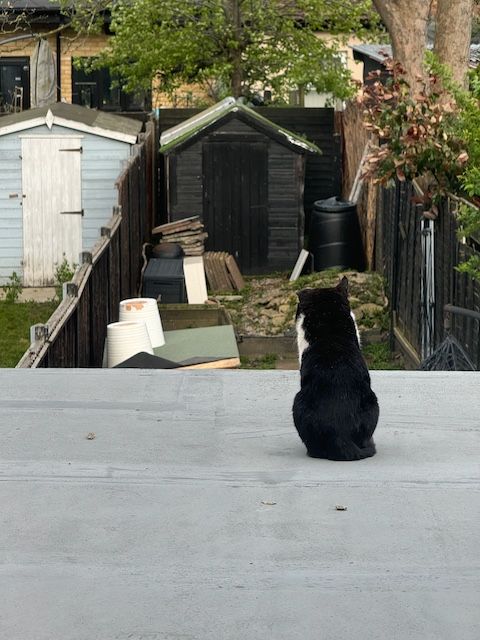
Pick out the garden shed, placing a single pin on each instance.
(244, 175)
(58, 167)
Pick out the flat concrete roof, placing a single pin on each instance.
(194, 513)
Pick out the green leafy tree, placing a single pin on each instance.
(232, 47)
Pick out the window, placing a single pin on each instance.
(14, 84)
(94, 89)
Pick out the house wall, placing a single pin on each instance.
(102, 161)
(285, 192)
(70, 47)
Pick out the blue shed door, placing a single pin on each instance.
(52, 206)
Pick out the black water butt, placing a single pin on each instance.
(335, 239)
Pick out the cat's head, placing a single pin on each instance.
(329, 298)
(324, 307)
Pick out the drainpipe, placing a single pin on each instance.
(59, 67)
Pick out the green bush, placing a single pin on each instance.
(13, 288)
(63, 273)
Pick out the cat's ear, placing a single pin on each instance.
(303, 294)
(342, 286)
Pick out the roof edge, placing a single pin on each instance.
(49, 119)
(190, 129)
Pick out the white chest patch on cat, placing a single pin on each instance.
(302, 344)
(356, 327)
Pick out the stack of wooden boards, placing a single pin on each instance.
(188, 233)
(222, 271)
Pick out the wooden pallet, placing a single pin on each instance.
(222, 272)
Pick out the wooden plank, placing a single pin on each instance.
(358, 181)
(216, 270)
(370, 227)
(194, 251)
(198, 238)
(297, 269)
(234, 273)
(227, 283)
(171, 237)
(227, 363)
(185, 223)
(209, 272)
(195, 283)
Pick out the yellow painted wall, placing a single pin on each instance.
(70, 47)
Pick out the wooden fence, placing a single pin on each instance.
(418, 258)
(74, 335)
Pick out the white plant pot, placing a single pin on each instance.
(146, 309)
(125, 339)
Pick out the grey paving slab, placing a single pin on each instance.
(161, 528)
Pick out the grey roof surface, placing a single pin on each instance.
(194, 513)
(77, 113)
(379, 52)
(29, 5)
(191, 128)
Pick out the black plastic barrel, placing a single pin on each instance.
(334, 239)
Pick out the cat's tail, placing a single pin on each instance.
(342, 450)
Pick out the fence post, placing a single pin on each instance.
(38, 332)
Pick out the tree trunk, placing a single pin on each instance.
(406, 22)
(452, 36)
(232, 10)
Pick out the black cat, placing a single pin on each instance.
(335, 411)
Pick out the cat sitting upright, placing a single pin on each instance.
(335, 411)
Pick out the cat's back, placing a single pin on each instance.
(330, 366)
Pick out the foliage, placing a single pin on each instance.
(471, 267)
(13, 288)
(379, 356)
(234, 47)
(63, 273)
(417, 133)
(268, 361)
(435, 135)
(15, 323)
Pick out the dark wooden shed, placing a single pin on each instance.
(244, 175)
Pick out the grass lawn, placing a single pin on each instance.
(379, 356)
(15, 322)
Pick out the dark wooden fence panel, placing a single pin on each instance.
(400, 259)
(75, 334)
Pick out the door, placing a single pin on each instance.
(52, 206)
(235, 208)
(14, 72)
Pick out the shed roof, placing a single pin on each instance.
(29, 5)
(101, 123)
(380, 52)
(188, 131)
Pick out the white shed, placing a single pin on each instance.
(58, 167)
